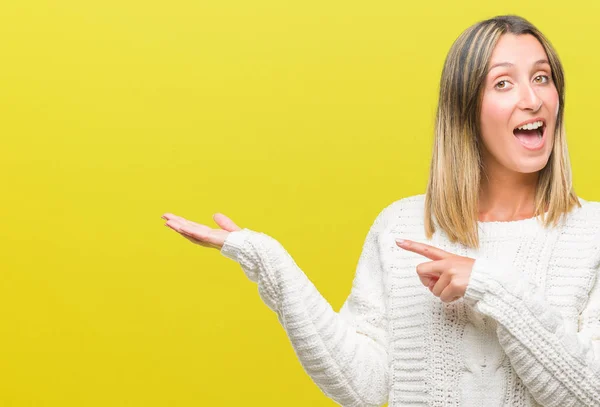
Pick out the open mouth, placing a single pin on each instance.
(531, 134)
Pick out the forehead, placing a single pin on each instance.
(517, 49)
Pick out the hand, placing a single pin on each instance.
(202, 234)
(447, 276)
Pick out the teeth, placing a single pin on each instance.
(531, 126)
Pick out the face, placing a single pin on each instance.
(518, 89)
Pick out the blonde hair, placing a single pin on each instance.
(452, 197)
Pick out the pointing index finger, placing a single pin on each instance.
(423, 249)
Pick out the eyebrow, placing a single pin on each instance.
(508, 64)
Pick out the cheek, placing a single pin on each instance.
(552, 101)
(495, 115)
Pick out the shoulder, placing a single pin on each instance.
(582, 224)
(588, 214)
(409, 209)
(591, 208)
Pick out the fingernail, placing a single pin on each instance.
(399, 241)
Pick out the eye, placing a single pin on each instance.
(547, 79)
(501, 85)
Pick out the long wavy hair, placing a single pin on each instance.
(452, 197)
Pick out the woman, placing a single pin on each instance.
(511, 316)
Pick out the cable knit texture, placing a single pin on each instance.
(526, 333)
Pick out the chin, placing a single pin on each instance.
(532, 166)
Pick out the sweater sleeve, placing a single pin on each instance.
(344, 353)
(557, 360)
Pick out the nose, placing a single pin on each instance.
(530, 99)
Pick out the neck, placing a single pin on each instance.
(505, 195)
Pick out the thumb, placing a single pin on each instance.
(428, 281)
(225, 223)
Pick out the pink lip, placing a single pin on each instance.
(537, 148)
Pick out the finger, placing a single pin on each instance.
(177, 225)
(204, 235)
(432, 283)
(430, 270)
(182, 220)
(198, 234)
(449, 294)
(423, 249)
(213, 237)
(441, 284)
(225, 223)
(195, 241)
(174, 224)
(169, 216)
(184, 232)
(199, 239)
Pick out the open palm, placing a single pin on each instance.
(202, 234)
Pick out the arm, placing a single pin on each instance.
(558, 363)
(344, 353)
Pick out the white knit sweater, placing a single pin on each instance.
(526, 333)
